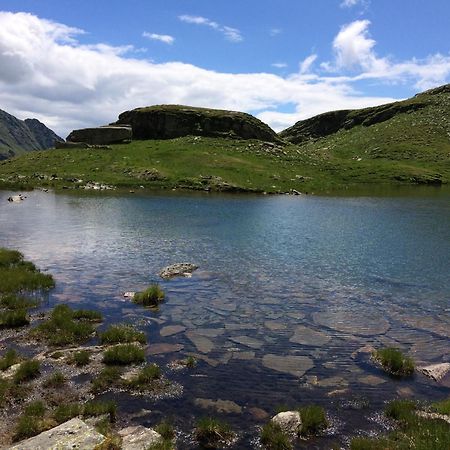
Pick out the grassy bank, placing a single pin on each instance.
(220, 165)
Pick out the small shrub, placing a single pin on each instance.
(108, 377)
(81, 358)
(145, 376)
(98, 408)
(14, 319)
(66, 411)
(273, 438)
(31, 422)
(122, 334)
(124, 354)
(9, 359)
(152, 296)
(36, 408)
(394, 362)
(400, 409)
(211, 432)
(55, 380)
(314, 419)
(166, 430)
(27, 371)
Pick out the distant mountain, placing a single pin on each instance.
(20, 136)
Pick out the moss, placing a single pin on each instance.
(394, 362)
(313, 418)
(27, 371)
(124, 354)
(152, 296)
(273, 438)
(121, 334)
(210, 432)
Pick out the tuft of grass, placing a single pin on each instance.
(145, 376)
(88, 315)
(165, 444)
(81, 358)
(124, 354)
(14, 319)
(10, 358)
(273, 438)
(122, 334)
(107, 378)
(394, 362)
(27, 371)
(190, 362)
(112, 442)
(13, 301)
(362, 443)
(67, 411)
(152, 296)
(32, 421)
(66, 326)
(400, 410)
(211, 432)
(166, 430)
(314, 419)
(99, 408)
(55, 380)
(442, 407)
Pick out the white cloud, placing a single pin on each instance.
(275, 31)
(167, 39)
(231, 34)
(45, 73)
(352, 3)
(279, 65)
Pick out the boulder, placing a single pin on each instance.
(289, 421)
(16, 198)
(101, 135)
(173, 121)
(139, 438)
(435, 371)
(178, 270)
(70, 435)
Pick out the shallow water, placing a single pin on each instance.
(287, 290)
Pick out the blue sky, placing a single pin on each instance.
(79, 63)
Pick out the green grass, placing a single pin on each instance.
(394, 362)
(442, 407)
(313, 418)
(87, 314)
(210, 432)
(145, 377)
(10, 358)
(400, 409)
(55, 380)
(165, 429)
(14, 319)
(81, 358)
(124, 354)
(273, 438)
(66, 326)
(105, 379)
(68, 411)
(152, 296)
(14, 302)
(121, 334)
(27, 371)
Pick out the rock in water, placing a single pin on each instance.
(435, 371)
(178, 270)
(101, 135)
(139, 438)
(67, 436)
(289, 421)
(173, 121)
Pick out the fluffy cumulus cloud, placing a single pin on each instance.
(231, 34)
(46, 73)
(166, 38)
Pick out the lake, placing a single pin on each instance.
(289, 291)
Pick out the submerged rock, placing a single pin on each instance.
(295, 365)
(74, 434)
(139, 438)
(289, 421)
(435, 371)
(178, 270)
(221, 406)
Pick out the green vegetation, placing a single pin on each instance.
(87, 314)
(32, 421)
(108, 377)
(165, 429)
(165, 444)
(55, 380)
(190, 362)
(314, 419)
(152, 296)
(124, 354)
(145, 377)
(10, 358)
(14, 302)
(412, 433)
(273, 438)
(27, 371)
(67, 411)
(13, 319)
(122, 334)
(442, 407)
(81, 358)
(211, 432)
(394, 362)
(66, 326)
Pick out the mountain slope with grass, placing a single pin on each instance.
(19, 136)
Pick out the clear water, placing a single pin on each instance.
(310, 277)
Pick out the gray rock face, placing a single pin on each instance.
(172, 121)
(289, 421)
(178, 270)
(101, 135)
(74, 434)
(139, 438)
(435, 371)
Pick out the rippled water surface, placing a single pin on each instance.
(288, 289)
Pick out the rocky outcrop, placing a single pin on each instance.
(178, 270)
(173, 121)
(101, 135)
(45, 137)
(290, 422)
(436, 371)
(70, 435)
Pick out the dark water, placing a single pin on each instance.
(293, 283)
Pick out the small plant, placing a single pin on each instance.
(99, 408)
(88, 315)
(31, 422)
(190, 362)
(442, 407)
(211, 432)
(81, 358)
(124, 354)
(273, 438)
(361, 443)
(145, 376)
(152, 296)
(56, 380)
(122, 334)
(394, 362)
(166, 430)
(314, 419)
(400, 409)
(9, 359)
(13, 301)
(165, 444)
(108, 377)
(28, 370)
(67, 411)
(14, 319)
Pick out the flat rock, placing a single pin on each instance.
(274, 326)
(101, 135)
(221, 406)
(170, 330)
(289, 421)
(247, 341)
(258, 413)
(372, 380)
(73, 434)
(308, 336)
(246, 356)
(210, 332)
(294, 365)
(178, 270)
(202, 343)
(435, 371)
(161, 348)
(139, 438)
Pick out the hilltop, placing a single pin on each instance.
(20, 136)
